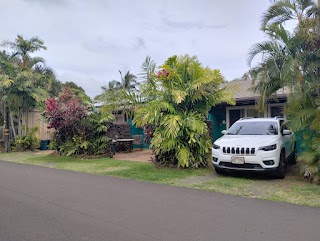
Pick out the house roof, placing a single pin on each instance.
(241, 90)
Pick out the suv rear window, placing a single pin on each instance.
(254, 128)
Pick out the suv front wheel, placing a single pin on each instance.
(220, 171)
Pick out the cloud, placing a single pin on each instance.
(50, 2)
(89, 41)
(140, 44)
(190, 25)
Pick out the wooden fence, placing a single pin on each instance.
(34, 120)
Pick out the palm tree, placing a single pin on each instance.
(148, 69)
(280, 63)
(128, 82)
(288, 59)
(284, 10)
(292, 60)
(22, 48)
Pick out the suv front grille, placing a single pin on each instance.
(245, 165)
(239, 150)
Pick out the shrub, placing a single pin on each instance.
(80, 129)
(29, 142)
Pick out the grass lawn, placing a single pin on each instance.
(294, 189)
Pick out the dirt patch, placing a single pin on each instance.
(196, 180)
(135, 155)
(45, 152)
(48, 164)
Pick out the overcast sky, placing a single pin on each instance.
(90, 40)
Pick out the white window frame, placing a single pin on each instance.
(245, 108)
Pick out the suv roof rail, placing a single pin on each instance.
(243, 118)
(278, 117)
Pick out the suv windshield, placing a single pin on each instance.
(253, 128)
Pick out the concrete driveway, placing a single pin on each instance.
(38, 203)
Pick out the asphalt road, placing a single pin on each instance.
(38, 203)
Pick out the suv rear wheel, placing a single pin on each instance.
(281, 169)
(293, 157)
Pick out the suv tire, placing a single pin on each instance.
(293, 157)
(281, 169)
(220, 171)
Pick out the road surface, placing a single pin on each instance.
(38, 203)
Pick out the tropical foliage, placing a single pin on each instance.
(78, 128)
(28, 142)
(291, 59)
(185, 92)
(25, 81)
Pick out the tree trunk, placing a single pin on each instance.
(26, 124)
(318, 44)
(12, 125)
(6, 128)
(19, 122)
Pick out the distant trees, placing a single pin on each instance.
(25, 80)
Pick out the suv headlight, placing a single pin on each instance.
(216, 146)
(268, 148)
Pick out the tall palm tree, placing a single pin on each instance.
(282, 11)
(148, 69)
(128, 82)
(280, 63)
(22, 48)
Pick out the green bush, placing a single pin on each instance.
(29, 142)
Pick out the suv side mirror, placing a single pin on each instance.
(286, 132)
(223, 132)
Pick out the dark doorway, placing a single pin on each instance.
(234, 115)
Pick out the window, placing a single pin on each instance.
(276, 111)
(235, 113)
(253, 113)
(119, 117)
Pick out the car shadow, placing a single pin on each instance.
(291, 171)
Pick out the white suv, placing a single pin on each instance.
(255, 144)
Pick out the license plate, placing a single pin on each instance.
(237, 160)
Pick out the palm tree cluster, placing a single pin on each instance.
(181, 95)
(290, 58)
(126, 94)
(25, 81)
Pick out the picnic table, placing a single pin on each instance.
(127, 144)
